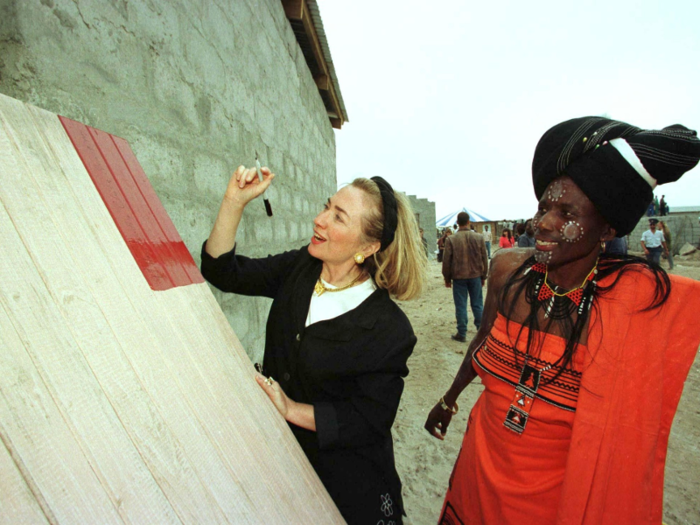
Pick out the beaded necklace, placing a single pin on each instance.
(562, 304)
(558, 305)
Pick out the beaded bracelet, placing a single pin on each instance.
(445, 406)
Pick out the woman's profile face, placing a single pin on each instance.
(567, 225)
(338, 228)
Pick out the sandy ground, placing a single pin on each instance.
(425, 463)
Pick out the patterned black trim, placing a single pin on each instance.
(566, 386)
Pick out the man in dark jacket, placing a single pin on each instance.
(527, 239)
(464, 267)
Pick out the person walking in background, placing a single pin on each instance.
(487, 239)
(669, 243)
(423, 241)
(650, 208)
(506, 240)
(617, 245)
(663, 208)
(465, 265)
(653, 242)
(527, 239)
(518, 231)
(441, 242)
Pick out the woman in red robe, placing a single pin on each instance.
(582, 354)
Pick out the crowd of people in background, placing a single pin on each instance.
(658, 207)
(520, 234)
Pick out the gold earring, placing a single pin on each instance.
(602, 245)
(359, 258)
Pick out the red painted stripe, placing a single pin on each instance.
(158, 257)
(137, 204)
(180, 251)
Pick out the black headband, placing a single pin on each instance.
(391, 217)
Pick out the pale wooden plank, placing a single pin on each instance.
(168, 462)
(17, 501)
(224, 399)
(115, 460)
(194, 380)
(212, 329)
(33, 426)
(148, 355)
(145, 351)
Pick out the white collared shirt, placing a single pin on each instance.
(333, 304)
(653, 240)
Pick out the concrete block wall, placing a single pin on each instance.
(685, 227)
(424, 210)
(195, 87)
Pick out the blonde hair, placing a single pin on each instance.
(402, 267)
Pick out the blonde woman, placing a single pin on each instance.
(336, 342)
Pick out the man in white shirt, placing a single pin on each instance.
(653, 241)
(487, 238)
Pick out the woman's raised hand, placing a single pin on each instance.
(245, 185)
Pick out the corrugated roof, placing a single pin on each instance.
(305, 19)
(318, 24)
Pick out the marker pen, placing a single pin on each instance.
(268, 208)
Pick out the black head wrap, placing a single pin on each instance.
(391, 216)
(618, 176)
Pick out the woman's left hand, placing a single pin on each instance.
(274, 391)
(300, 414)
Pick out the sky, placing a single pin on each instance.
(448, 100)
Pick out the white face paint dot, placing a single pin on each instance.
(543, 257)
(556, 190)
(571, 231)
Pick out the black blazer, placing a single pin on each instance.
(349, 368)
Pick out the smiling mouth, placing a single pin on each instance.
(317, 239)
(545, 244)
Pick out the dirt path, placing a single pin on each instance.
(425, 463)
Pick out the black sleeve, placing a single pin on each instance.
(242, 275)
(368, 416)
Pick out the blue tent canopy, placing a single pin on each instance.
(449, 220)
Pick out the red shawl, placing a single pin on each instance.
(632, 382)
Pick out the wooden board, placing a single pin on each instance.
(125, 395)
